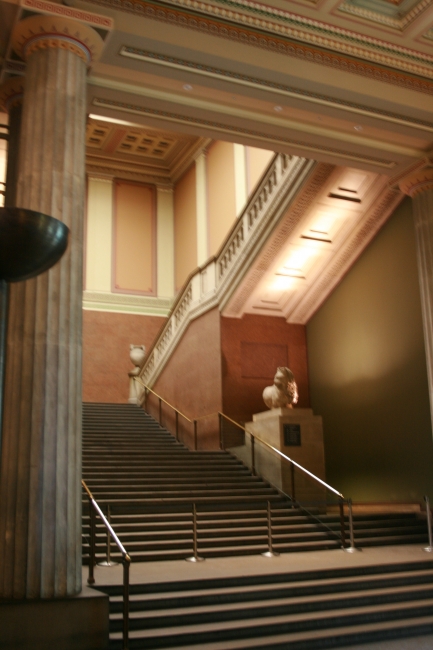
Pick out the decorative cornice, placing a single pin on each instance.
(398, 22)
(42, 32)
(292, 35)
(11, 93)
(54, 9)
(226, 128)
(126, 304)
(290, 91)
(418, 182)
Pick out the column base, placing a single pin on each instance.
(76, 623)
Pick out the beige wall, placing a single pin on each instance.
(221, 192)
(257, 161)
(134, 242)
(185, 228)
(368, 374)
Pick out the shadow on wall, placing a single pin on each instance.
(368, 373)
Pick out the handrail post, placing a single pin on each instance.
(342, 525)
(145, 398)
(195, 435)
(195, 556)
(352, 548)
(270, 552)
(160, 412)
(92, 561)
(220, 423)
(429, 548)
(107, 561)
(292, 479)
(177, 425)
(253, 455)
(126, 564)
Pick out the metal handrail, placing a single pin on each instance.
(293, 463)
(126, 560)
(162, 399)
(280, 453)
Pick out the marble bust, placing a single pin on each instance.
(284, 392)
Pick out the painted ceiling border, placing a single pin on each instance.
(280, 44)
(221, 127)
(291, 91)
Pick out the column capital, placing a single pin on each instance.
(11, 93)
(42, 32)
(417, 182)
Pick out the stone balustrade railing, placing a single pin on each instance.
(220, 275)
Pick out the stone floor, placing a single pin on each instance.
(144, 572)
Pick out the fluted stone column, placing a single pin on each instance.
(419, 186)
(11, 97)
(40, 493)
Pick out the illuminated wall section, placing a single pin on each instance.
(134, 240)
(221, 190)
(368, 375)
(185, 227)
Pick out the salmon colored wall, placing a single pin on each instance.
(191, 381)
(252, 348)
(106, 362)
(220, 170)
(185, 228)
(134, 242)
(257, 161)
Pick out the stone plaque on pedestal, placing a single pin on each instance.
(298, 434)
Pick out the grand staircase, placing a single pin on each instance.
(149, 483)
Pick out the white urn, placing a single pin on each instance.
(137, 354)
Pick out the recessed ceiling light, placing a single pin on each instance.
(278, 109)
(187, 87)
(358, 127)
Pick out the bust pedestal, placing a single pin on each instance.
(297, 433)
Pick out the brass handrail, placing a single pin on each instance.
(162, 399)
(126, 559)
(316, 478)
(266, 444)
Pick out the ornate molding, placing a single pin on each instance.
(125, 303)
(226, 128)
(42, 32)
(418, 182)
(294, 36)
(398, 21)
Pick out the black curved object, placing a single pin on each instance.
(30, 243)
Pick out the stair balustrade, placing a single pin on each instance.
(214, 282)
(126, 560)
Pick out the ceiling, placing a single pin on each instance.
(348, 83)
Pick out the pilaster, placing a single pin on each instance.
(419, 186)
(201, 203)
(165, 241)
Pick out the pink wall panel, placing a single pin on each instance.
(106, 340)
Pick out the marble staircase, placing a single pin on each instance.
(149, 481)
